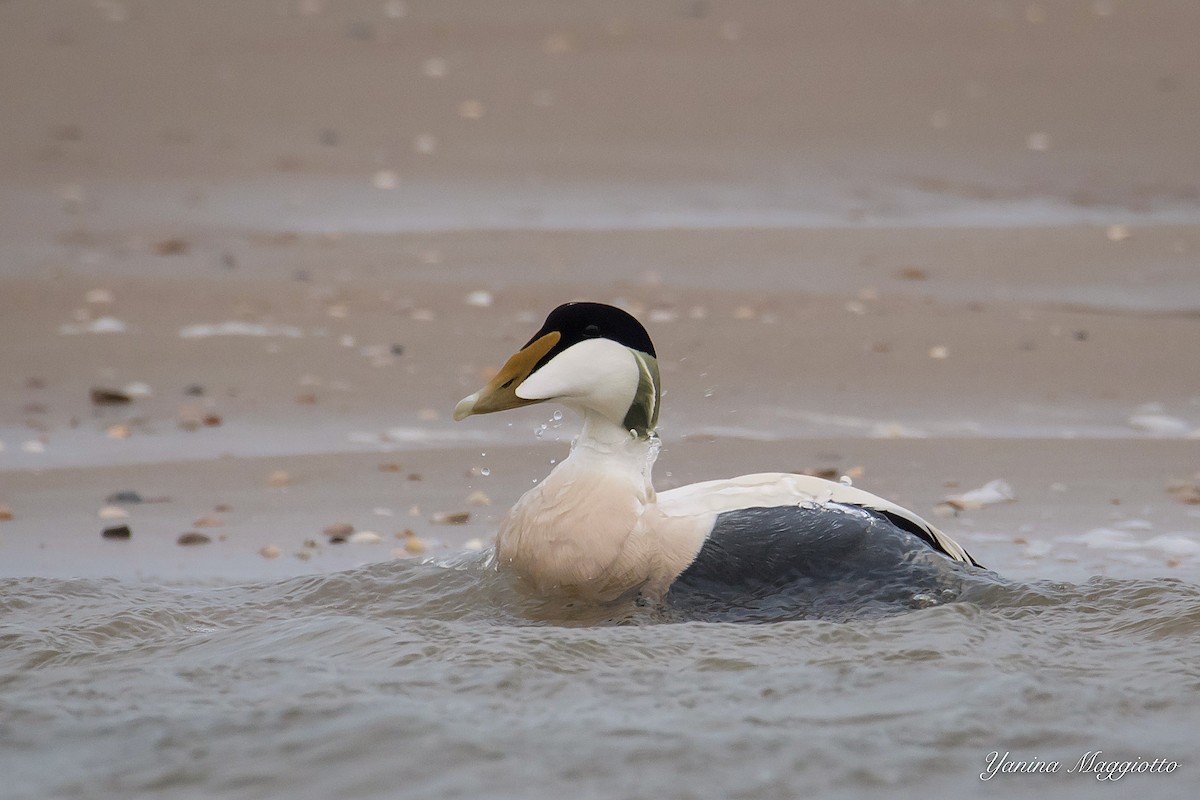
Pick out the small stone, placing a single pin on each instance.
(744, 313)
(390, 466)
(451, 518)
(415, 476)
(1184, 492)
(118, 431)
(109, 397)
(126, 497)
(939, 352)
(304, 555)
(364, 537)
(118, 532)
(6, 512)
(208, 521)
(827, 473)
(194, 390)
(270, 551)
(279, 478)
(222, 508)
(192, 538)
(414, 546)
(478, 498)
(112, 512)
(339, 531)
(912, 274)
(480, 298)
(211, 420)
(171, 247)
(1117, 233)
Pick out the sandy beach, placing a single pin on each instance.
(929, 245)
(378, 201)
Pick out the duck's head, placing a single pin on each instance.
(589, 356)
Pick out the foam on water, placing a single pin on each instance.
(426, 680)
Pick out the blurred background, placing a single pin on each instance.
(300, 229)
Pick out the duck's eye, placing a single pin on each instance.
(591, 331)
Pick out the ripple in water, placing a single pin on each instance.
(430, 680)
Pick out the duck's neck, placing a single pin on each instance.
(580, 530)
(602, 441)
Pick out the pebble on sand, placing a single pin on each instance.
(478, 498)
(450, 518)
(6, 512)
(480, 298)
(125, 496)
(113, 512)
(1185, 492)
(414, 546)
(364, 537)
(118, 431)
(192, 538)
(109, 397)
(991, 493)
(279, 478)
(339, 532)
(171, 247)
(208, 521)
(117, 532)
(270, 551)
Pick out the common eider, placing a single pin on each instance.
(595, 529)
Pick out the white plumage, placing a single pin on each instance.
(596, 529)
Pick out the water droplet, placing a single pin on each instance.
(557, 415)
(845, 480)
(554, 461)
(485, 471)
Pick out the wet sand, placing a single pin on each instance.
(968, 229)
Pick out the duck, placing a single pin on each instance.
(596, 530)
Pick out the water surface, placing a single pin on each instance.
(426, 680)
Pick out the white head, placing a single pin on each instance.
(589, 356)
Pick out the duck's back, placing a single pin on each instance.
(824, 559)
